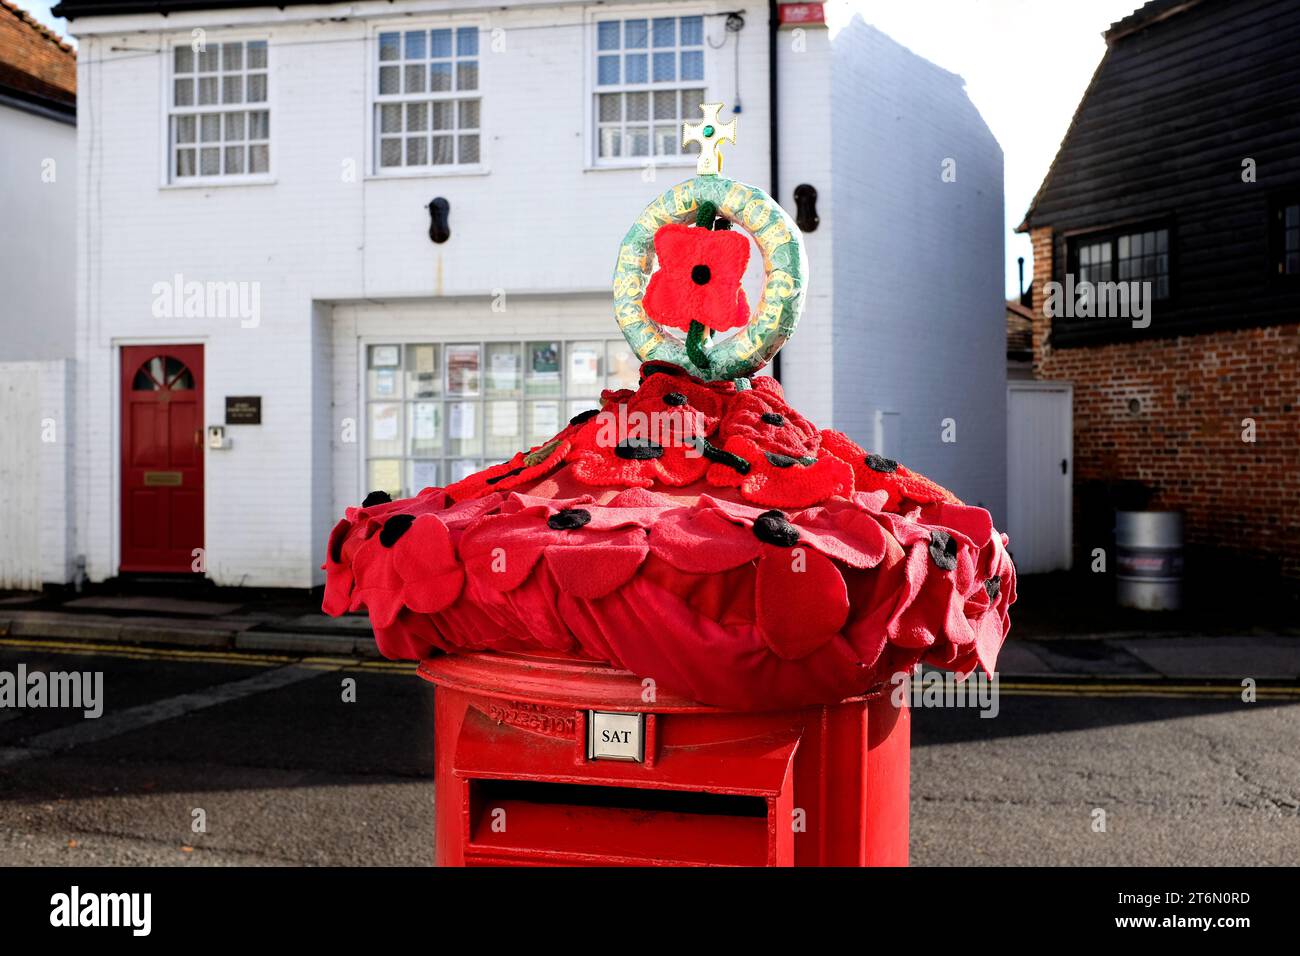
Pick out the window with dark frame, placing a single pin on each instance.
(1140, 255)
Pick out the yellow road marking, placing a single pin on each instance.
(1085, 689)
(238, 658)
(1064, 688)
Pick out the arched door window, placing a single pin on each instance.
(162, 373)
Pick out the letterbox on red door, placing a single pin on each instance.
(556, 761)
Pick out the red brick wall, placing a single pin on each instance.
(34, 59)
(1185, 436)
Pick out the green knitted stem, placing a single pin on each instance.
(697, 337)
(714, 453)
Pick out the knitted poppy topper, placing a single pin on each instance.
(697, 530)
(699, 278)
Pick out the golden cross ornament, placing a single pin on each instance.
(710, 134)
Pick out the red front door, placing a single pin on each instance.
(162, 457)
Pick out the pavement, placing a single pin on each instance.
(1063, 626)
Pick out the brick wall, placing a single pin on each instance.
(1169, 412)
(33, 59)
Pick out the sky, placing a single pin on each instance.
(40, 9)
(1026, 63)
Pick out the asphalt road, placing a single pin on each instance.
(285, 771)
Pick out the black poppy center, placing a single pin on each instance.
(775, 528)
(638, 449)
(879, 463)
(394, 528)
(993, 586)
(701, 275)
(570, 519)
(376, 498)
(943, 550)
(772, 418)
(674, 398)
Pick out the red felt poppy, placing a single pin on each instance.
(800, 598)
(410, 562)
(357, 526)
(589, 550)
(904, 488)
(698, 279)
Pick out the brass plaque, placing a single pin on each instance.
(243, 409)
(163, 479)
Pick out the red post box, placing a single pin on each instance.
(557, 761)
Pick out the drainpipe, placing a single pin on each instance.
(773, 127)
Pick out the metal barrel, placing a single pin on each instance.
(1149, 559)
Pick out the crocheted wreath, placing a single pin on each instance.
(699, 533)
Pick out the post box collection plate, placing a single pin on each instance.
(615, 736)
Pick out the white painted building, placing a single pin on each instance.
(287, 170)
(38, 141)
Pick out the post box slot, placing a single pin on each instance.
(578, 823)
(623, 798)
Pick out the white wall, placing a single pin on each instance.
(541, 222)
(919, 313)
(38, 177)
(337, 258)
(805, 108)
(35, 468)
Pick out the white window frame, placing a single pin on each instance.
(590, 52)
(168, 179)
(373, 169)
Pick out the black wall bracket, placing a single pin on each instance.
(439, 226)
(805, 202)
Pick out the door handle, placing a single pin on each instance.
(1065, 466)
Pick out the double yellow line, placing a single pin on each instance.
(236, 658)
(1071, 687)
(1086, 688)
